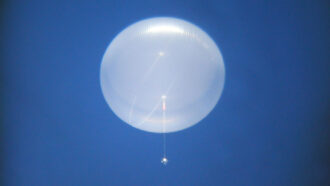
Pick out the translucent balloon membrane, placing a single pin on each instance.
(162, 75)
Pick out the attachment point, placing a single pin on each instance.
(164, 161)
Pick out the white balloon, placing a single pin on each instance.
(162, 75)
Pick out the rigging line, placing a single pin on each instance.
(149, 114)
(164, 145)
(164, 118)
(164, 123)
(131, 109)
(164, 135)
(161, 101)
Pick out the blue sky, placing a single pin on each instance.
(270, 127)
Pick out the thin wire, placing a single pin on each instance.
(164, 144)
(164, 135)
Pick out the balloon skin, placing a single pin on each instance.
(162, 75)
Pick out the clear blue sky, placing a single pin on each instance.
(271, 126)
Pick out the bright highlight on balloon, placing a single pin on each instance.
(162, 75)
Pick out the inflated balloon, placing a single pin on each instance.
(162, 75)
